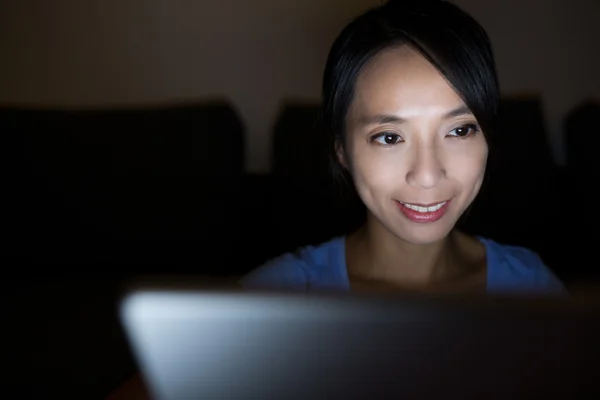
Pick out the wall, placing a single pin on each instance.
(259, 53)
(548, 47)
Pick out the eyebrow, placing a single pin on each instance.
(382, 119)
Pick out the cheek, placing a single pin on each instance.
(469, 165)
(375, 173)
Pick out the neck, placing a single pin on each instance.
(381, 256)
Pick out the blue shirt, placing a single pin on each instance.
(510, 269)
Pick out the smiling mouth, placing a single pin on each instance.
(424, 208)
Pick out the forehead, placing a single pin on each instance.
(401, 81)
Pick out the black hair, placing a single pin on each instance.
(451, 40)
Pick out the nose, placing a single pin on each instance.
(426, 169)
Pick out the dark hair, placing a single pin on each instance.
(441, 32)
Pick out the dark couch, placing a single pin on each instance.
(125, 186)
(99, 196)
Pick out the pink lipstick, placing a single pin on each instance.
(423, 213)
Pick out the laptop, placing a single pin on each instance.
(225, 344)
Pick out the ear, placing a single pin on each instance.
(340, 153)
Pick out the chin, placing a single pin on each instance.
(423, 240)
(423, 234)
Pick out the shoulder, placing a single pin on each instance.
(515, 268)
(299, 270)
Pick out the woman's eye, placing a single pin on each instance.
(464, 131)
(387, 139)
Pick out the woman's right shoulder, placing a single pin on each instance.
(293, 271)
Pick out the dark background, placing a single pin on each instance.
(180, 138)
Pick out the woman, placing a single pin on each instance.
(410, 99)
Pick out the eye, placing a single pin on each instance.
(464, 131)
(387, 138)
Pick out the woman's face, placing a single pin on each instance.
(415, 151)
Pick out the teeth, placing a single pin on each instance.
(425, 209)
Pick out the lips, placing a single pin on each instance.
(423, 213)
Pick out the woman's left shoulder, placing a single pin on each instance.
(520, 269)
